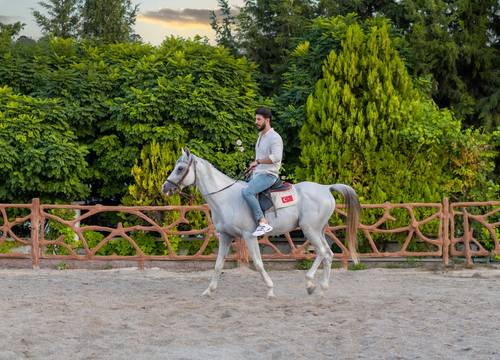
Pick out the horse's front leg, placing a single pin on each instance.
(224, 245)
(253, 248)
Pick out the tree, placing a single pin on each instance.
(39, 154)
(456, 42)
(11, 30)
(62, 19)
(364, 9)
(303, 70)
(265, 32)
(225, 27)
(195, 94)
(156, 163)
(8, 31)
(110, 21)
(367, 125)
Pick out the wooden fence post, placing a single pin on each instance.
(467, 238)
(35, 233)
(446, 231)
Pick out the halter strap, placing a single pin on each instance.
(183, 175)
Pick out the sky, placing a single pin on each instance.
(156, 20)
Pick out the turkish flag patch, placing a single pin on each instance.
(286, 199)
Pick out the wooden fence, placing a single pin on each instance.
(38, 231)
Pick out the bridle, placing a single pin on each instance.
(178, 187)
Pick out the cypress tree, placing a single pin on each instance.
(357, 121)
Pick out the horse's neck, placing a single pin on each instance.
(209, 179)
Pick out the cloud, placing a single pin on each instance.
(6, 19)
(183, 18)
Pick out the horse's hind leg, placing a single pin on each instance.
(327, 264)
(310, 284)
(253, 248)
(323, 254)
(224, 244)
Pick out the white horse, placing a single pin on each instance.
(232, 217)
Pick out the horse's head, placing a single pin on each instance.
(182, 175)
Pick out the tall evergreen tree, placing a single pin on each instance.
(224, 27)
(266, 29)
(62, 19)
(304, 69)
(109, 21)
(368, 126)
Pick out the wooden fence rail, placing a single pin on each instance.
(68, 232)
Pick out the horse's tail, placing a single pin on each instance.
(353, 210)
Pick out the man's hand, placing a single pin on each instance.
(250, 168)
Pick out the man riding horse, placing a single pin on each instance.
(235, 210)
(265, 168)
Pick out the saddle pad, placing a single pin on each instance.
(283, 199)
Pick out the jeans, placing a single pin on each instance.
(259, 183)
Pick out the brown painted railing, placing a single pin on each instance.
(416, 230)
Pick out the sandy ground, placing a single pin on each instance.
(159, 314)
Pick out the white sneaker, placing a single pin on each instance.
(262, 229)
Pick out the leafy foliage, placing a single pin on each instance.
(39, 153)
(156, 163)
(8, 31)
(77, 115)
(369, 126)
(118, 98)
(455, 42)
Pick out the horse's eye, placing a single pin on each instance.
(180, 169)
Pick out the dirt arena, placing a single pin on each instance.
(159, 314)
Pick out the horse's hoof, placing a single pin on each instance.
(207, 293)
(310, 288)
(270, 295)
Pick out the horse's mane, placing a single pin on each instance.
(212, 167)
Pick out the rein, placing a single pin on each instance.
(238, 178)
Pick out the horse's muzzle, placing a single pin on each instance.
(168, 188)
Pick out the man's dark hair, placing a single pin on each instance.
(265, 112)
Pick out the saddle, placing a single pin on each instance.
(270, 198)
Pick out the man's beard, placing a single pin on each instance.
(261, 127)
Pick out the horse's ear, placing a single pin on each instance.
(183, 152)
(188, 154)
